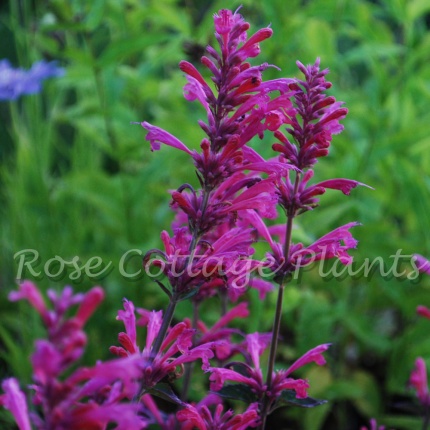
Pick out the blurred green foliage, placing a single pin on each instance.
(76, 179)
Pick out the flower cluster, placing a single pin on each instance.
(89, 397)
(208, 253)
(17, 82)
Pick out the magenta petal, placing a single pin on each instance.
(422, 264)
(219, 376)
(300, 386)
(418, 380)
(239, 311)
(191, 418)
(344, 185)
(157, 135)
(314, 355)
(29, 291)
(89, 304)
(256, 344)
(128, 317)
(14, 400)
(423, 311)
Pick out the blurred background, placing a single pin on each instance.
(76, 179)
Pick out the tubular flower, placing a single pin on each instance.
(423, 311)
(219, 331)
(252, 377)
(202, 418)
(237, 193)
(418, 380)
(304, 198)
(422, 264)
(333, 245)
(14, 400)
(226, 262)
(175, 350)
(241, 106)
(316, 121)
(89, 397)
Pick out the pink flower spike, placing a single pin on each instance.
(29, 291)
(157, 135)
(314, 355)
(14, 401)
(422, 264)
(344, 185)
(225, 20)
(418, 380)
(423, 311)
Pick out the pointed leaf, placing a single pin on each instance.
(288, 398)
(165, 392)
(237, 392)
(239, 367)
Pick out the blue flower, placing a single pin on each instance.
(16, 82)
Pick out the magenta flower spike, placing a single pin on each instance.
(175, 350)
(89, 397)
(418, 380)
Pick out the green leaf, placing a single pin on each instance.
(288, 398)
(241, 368)
(165, 391)
(237, 392)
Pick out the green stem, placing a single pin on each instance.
(167, 320)
(168, 316)
(278, 313)
(189, 366)
(426, 421)
(272, 354)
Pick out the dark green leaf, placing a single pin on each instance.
(165, 392)
(237, 392)
(288, 398)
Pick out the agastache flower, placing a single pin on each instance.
(252, 375)
(316, 121)
(241, 107)
(332, 245)
(200, 417)
(422, 264)
(418, 380)
(226, 262)
(14, 400)
(220, 331)
(89, 397)
(175, 350)
(423, 311)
